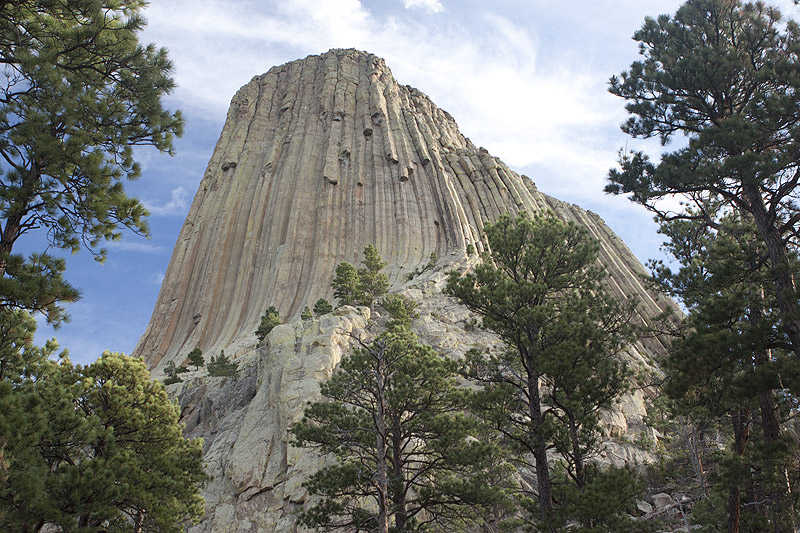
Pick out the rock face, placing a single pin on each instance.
(317, 159)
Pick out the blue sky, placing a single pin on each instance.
(525, 79)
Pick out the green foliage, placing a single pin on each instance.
(361, 286)
(432, 260)
(405, 454)
(346, 284)
(171, 371)
(221, 366)
(322, 307)
(731, 365)
(196, 358)
(470, 249)
(402, 311)
(79, 93)
(372, 282)
(36, 285)
(541, 290)
(269, 320)
(96, 447)
(306, 314)
(600, 506)
(434, 257)
(723, 74)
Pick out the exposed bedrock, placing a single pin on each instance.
(318, 158)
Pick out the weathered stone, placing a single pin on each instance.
(643, 507)
(662, 500)
(317, 159)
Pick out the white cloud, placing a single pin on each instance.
(132, 246)
(432, 6)
(177, 205)
(526, 80)
(156, 278)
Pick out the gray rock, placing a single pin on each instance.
(662, 500)
(643, 507)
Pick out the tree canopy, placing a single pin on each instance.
(726, 76)
(96, 446)
(541, 290)
(407, 456)
(78, 93)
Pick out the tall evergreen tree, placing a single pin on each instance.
(406, 456)
(96, 447)
(79, 93)
(541, 290)
(726, 75)
(731, 363)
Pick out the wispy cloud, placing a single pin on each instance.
(133, 246)
(432, 6)
(177, 205)
(156, 278)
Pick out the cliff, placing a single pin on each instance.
(317, 159)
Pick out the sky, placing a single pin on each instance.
(525, 79)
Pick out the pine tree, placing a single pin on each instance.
(322, 307)
(306, 314)
(96, 466)
(725, 75)
(372, 282)
(405, 454)
(171, 371)
(79, 93)
(346, 284)
(541, 290)
(221, 366)
(196, 358)
(730, 364)
(269, 320)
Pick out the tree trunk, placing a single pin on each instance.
(741, 434)
(8, 236)
(539, 446)
(577, 454)
(398, 494)
(778, 491)
(785, 293)
(381, 474)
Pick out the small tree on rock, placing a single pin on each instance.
(372, 282)
(346, 285)
(221, 366)
(196, 358)
(361, 286)
(171, 371)
(322, 307)
(306, 314)
(269, 320)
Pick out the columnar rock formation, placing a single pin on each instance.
(317, 159)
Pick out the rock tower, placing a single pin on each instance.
(318, 158)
